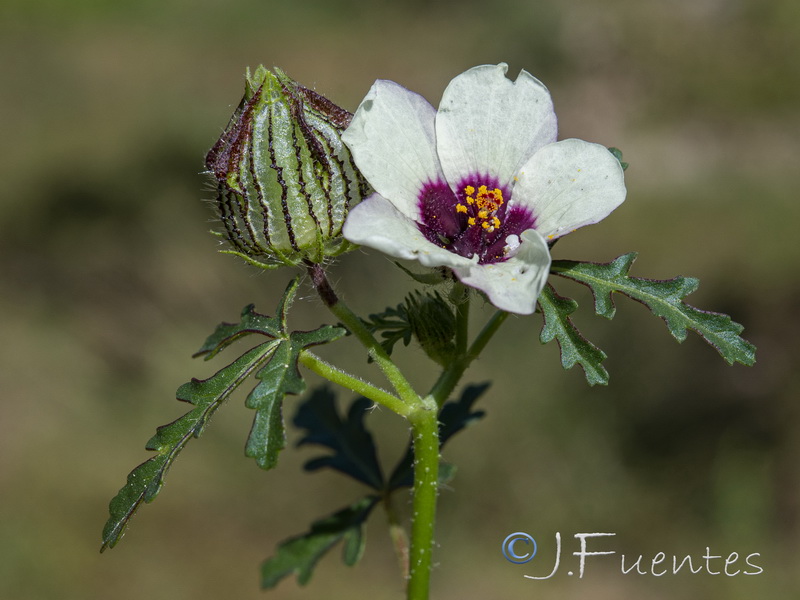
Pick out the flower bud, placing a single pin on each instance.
(284, 179)
(433, 324)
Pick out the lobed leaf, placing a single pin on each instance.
(274, 363)
(277, 379)
(207, 395)
(575, 349)
(354, 451)
(393, 325)
(664, 299)
(300, 554)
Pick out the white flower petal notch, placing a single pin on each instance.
(481, 185)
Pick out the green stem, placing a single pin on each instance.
(486, 334)
(450, 377)
(350, 320)
(425, 431)
(462, 317)
(422, 413)
(338, 376)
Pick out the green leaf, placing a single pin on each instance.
(145, 481)
(277, 379)
(458, 414)
(664, 299)
(300, 554)
(251, 322)
(454, 416)
(273, 362)
(354, 452)
(575, 349)
(394, 326)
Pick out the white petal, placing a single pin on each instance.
(513, 285)
(570, 184)
(393, 143)
(489, 125)
(376, 223)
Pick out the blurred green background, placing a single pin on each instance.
(110, 281)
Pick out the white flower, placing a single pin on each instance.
(479, 186)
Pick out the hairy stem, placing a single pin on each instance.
(422, 413)
(350, 320)
(425, 432)
(338, 376)
(450, 377)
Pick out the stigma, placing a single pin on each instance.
(481, 206)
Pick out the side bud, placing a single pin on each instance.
(433, 324)
(284, 179)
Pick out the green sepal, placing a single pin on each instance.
(575, 349)
(300, 554)
(434, 276)
(618, 155)
(354, 451)
(664, 298)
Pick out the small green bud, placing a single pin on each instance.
(284, 179)
(433, 324)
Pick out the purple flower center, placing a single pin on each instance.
(474, 221)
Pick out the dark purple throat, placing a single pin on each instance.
(476, 220)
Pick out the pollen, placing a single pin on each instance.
(490, 200)
(481, 205)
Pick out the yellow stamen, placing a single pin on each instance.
(488, 202)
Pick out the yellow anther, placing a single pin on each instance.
(469, 190)
(496, 221)
(471, 221)
(461, 208)
(483, 214)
